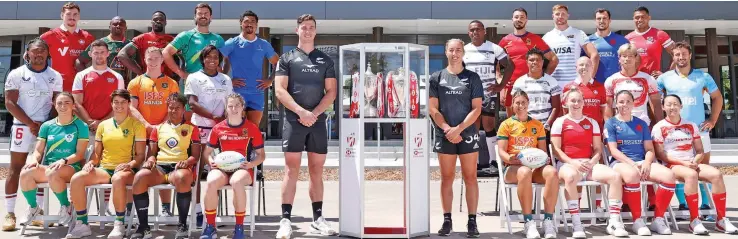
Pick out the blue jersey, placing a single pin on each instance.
(247, 59)
(607, 47)
(630, 137)
(690, 89)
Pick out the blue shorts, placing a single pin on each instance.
(254, 102)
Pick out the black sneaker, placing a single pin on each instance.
(142, 233)
(445, 229)
(652, 208)
(182, 231)
(471, 230)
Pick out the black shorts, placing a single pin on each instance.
(488, 102)
(298, 138)
(468, 144)
(168, 168)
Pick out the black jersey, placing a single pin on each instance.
(455, 94)
(307, 74)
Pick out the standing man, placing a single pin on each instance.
(688, 83)
(306, 86)
(517, 44)
(247, 53)
(482, 57)
(29, 91)
(116, 40)
(607, 44)
(66, 43)
(650, 42)
(567, 42)
(157, 37)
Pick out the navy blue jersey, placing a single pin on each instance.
(455, 94)
(307, 73)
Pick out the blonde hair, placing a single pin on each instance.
(560, 6)
(455, 40)
(630, 49)
(237, 97)
(573, 89)
(153, 49)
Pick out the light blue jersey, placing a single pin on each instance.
(247, 59)
(690, 89)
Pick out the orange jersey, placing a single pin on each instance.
(521, 134)
(152, 94)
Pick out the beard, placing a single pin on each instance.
(520, 26)
(158, 28)
(203, 22)
(100, 62)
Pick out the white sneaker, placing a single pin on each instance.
(578, 228)
(65, 215)
(615, 227)
(285, 229)
(549, 230)
(724, 225)
(323, 227)
(697, 228)
(659, 226)
(531, 232)
(639, 227)
(118, 232)
(79, 230)
(32, 213)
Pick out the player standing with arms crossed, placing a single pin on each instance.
(306, 86)
(66, 43)
(567, 43)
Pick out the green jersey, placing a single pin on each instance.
(190, 43)
(61, 140)
(114, 47)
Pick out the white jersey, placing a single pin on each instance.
(677, 138)
(540, 91)
(35, 90)
(483, 60)
(567, 45)
(641, 85)
(211, 94)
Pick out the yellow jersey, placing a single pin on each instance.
(174, 141)
(118, 140)
(152, 94)
(521, 134)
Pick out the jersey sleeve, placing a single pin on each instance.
(99, 131)
(555, 87)
(540, 131)
(154, 137)
(134, 87)
(139, 132)
(709, 83)
(181, 40)
(258, 142)
(12, 81)
(269, 50)
(695, 131)
(476, 86)
(433, 89)
(77, 86)
(121, 81)
(583, 39)
(517, 86)
(503, 133)
(330, 70)
(646, 134)
(609, 88)
(136, 43)
(227, 48)
(499, 52)
(610, 132)
(557, 127)
(660, 84)
(189, 89)
(174, 86)
(229, 84)
(656, 134)
(220, 42)
(603, 97)
(283, 66)
(86, 52)
(595, 127)
(43, 131)
(83, 131)
(194, 136)
(652, 86)
(213, 138)
(664, 38)
(58, 82)
(541, 44)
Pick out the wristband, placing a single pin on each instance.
(66, 161)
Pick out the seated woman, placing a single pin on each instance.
(630, 145)
(242, 136)
(515, 134)
(578, 160)
(679, 146)
(59, 152)
(174, 150)
(119, 150)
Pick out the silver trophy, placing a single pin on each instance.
(373, 100)
(396, 83)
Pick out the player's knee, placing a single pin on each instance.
(549, 173)
(27, 174)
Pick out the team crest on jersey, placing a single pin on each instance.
(595, 92)
(649, 39)
(110, 80)
(534, 130)
(125, 132)
(527, 41)
(184, 132)
(172, 142)
(213, 42)
(81, 42)
(586, 127)
(164, 85)
(245, 132)
(25, 79)
(69, 138)
(570, 36)
(618, 128)
(639, 128)
(612, 41)
(51, 80)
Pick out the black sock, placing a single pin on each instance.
(142, 208)
(183, 206)
(317, 210)
(129, 207)
(447, 216)
(287, 211)
(473, 218)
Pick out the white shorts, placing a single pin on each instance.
(204, 133)
(588, 177)
(706, 145)
(23, 140)
(612, 165)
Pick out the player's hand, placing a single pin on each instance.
(30, 165)
(238, 82)
(691, 165)
(34, 127)
(122, 167)
(89, 166)
(579, 166)
(496, 88)
(93, 125)
(246, 165)
(57, 165)
(656, 74)
(456, 140)
(213, 165)
(503, 93)
(307, 117)
(453, 133)
(707, 126)
(149, 163)
(645, 171)
(264, 84)
(182, 165)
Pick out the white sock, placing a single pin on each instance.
(615, 206)
(10, 202)
(40, 196)
(491, 142)
(573, 206)
(198, 208)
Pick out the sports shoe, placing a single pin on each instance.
(285, 229)
(65, 215)
(707, 218)
(725, 226)
(183, 231)
(659, 226)
(531, 232)
(210, 232)
(9, 224)
(142, 233)
(445, 228)
(682, 207)
(79, 230)
(697, 228)
(549, 230)
(639, 227)
(323, 227)
(166, 213)
(615, 227)
(198, 220)
(118, 232)
(578, 231)
(238, 232)
(471, 230)
(32, 213)
(39, 223)
(599, 210)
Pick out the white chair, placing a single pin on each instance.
(224, 218)
(101, 217)
(47, 218)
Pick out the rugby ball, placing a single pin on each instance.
(229, 161)
(533, 157)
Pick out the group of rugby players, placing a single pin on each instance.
(612, 91)
(85, 123)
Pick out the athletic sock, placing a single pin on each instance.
(30, 196)
(632, 198)
(663, 198)
(317, 210)
(527, 217)
(547, 216)
(183, 206)
(694, 210)
(287, 211)
(615, 206)
(40, 195)
(719, 205)
(679, 192)
(491, 143)
(121, 216)
(166, 207)
(82, 216)
(573, 206)
(63, 198)
(651, 195)
(239, 217)
(210, 216)
(447, 216)
(10, 202)
(704, 192)
(472, 218)
(129, 208)
(142, 208)
(598, 200)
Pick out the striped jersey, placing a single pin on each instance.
(540, 91)
(483, 59)
(567, 45)
(641, 85)
(677, 138)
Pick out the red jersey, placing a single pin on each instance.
(149, 39)
(64, 49)
(650, 44)
(244, 138)
(594, 95)
(516, 48)
(96, 87)
(578, 135)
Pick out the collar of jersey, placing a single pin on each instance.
(641, 33)
(247, 40)
(112, 40)
(116, 123)
(609, 34)
(515, 117)
(591, 81)
(154, 78)
(201, 33)
(34, 71)
(205, 73)
(680, 74)
(56, 121)
(524, 34)
(64, 28)
(559, 31)
(243, 121)
(672, 123)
